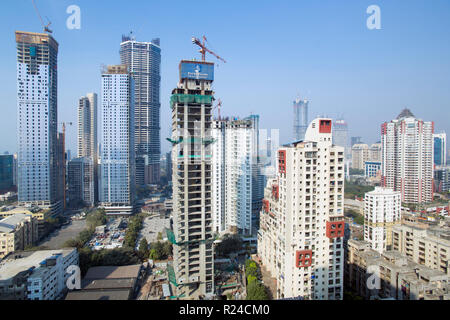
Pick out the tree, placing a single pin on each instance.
(153, 254)
(251, 278)
(256, 291)
(229, 244)
(167, 249)
(143, 248)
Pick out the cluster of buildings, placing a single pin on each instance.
(115, 154)
(303, 239)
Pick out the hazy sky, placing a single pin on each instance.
(275, 50)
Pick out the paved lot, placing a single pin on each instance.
(151, 226)
(57, 239)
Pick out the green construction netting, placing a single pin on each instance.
(190, 98)
(172, 277)
(170, 236)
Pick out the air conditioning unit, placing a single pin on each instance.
(194, 279)
(181, 280)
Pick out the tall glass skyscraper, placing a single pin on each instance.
(117, 167)
(340, 135)
(37, 120)
(143, 60)
(300, 118)
(87, 136)
(440, 149)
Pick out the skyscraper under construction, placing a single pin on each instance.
(193, 266)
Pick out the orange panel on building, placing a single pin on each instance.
(303, 258)
(325, 126)
(282, 161)
(335, 229)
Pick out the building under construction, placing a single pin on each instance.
(300, 118)
(193, 268)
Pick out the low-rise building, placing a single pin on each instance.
(36, 275)
(391, 275)
(17, 232)
(110, 283)
(36, 212)
(372, 169)
(425, 245)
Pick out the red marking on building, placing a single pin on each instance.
(266, 205)
(282, 161)
(325, 126)
(276, 191)
(335, 229)
(303, 258)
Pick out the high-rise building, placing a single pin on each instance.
(61, 168)
(191, 101)
(80, 183)
(257, 192)
(144, 60)
(382, 208)
(340, 134)
(117, 183)
(375, 152)
(440, 149)
(300, 118)
(360, 154)
(87, 137)
(300, 239)
(15, 169)
(218, 133)
(407, 157)
(233, 175)
(442, 179)
(6, 171)
(37, 89)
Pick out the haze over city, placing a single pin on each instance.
(275, 51)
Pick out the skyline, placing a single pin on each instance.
(339, 65)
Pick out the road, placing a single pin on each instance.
(57, 239)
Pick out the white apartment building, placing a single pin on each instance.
(360, 154)
(117, 186)
(375, 152)
(232, 164)
(36, 275)
(382, 210)
(300, 240)
(407, 157)
(37, 120)
(218, 175)
(426, 246)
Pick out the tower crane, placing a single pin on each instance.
(218, 106)
(44, 26)
(64, 159)
(203, 49)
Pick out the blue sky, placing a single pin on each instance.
(275, 50)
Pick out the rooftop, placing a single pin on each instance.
(8, 224)
(22, 261)
(113, 272)
(406, 113)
